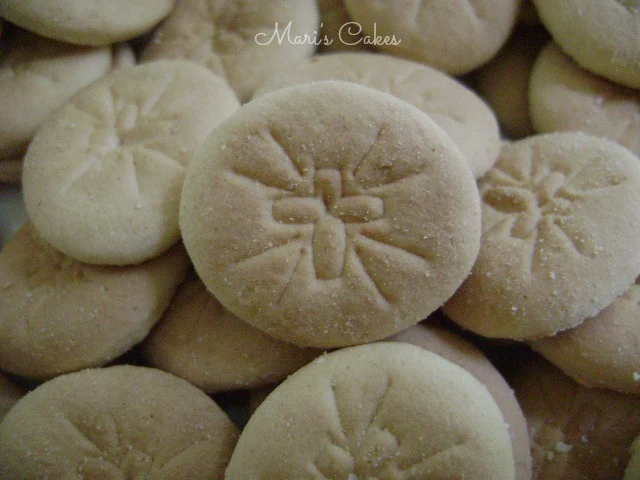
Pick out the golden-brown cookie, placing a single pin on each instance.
(383, 410)
(330, 214)
(560, 223)
(200, 341)
(103, 176)
(58, 315)
(122, 422)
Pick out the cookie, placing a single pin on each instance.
(603, 351)
(86, 22)
(199, 340)
(601, 36)
(119, 422)
(385, 410)
(242, 41)
(9, 395)
(504, 81)
(575, 432)
(455, 36)
(563, 96)
(459, 111)
(58, 315)
(560, 222)
(330, 214)
(633, 467)
(37, 76)
(455, 349)
(103, 176)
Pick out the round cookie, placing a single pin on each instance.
(455, 36)
(9, 395)
(86, 22)
(117, 423)
(504, 81)
(603, 351)
(329, 214)
(201, 341)
(455, 349)
(632, 471)
(563, 96)
(560, 223)
(58, 315)
(37, 76)
(601, 35)
(385, 410)
(576, 432)
(237, 39)
(103, 176)
(456, 109)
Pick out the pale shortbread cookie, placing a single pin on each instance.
(563, 96)
(11, 170)
(330, 214)
(58, 315)
(103, 176)
(122, 422)
(560, 223)
(504, 81)
(632, 471)
(604, 351)
(601, 35)
(576, 432)
(201, 341)
(37, 76)
(9, 396)
(337, 31)
(455, 349)
(455, 36)
(123, 56)
(235, 38)
(86, 22)
(458, 110)
(385, 410)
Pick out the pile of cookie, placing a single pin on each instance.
(298, 200)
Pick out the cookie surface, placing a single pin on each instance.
(86, 22)
(563, 96)
(199, 340)
(385, 410)
(328, 223)
(601, 35)
(604, 351)
(459, 111)
(118, 422)
(237, 39)
(58, 315)
(455, 36)
(561, 215)
(103, 176)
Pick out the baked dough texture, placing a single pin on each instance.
(330, 223)
(103, 176)
(389, 411)
(561, 219)
(120, 422)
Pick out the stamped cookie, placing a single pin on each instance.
(459, 111)
(9, 396)
(564, 96)
(121, 422)
(455, 349)
(58, 315)
(384, 410)
(86, 22)
(329, 214)
(237, 39)
(604, 351)
(601, 35)
(201, 341)
(576, 432)
(560, 223)
(103, 176)
(37, 76)
(632, 471)
(455, 36)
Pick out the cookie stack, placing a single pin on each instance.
(297, 200)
